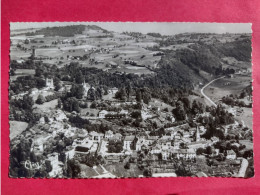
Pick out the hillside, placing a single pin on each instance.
(64, 31)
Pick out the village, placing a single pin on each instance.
(85, 111)
(156, 155)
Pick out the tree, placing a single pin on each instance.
(77, 91)
(62, 157)
(48, 166)
(127, 165)
(121, 94)
(40, 99)
(200, 151)
(182, 172)
(73, 169)
(93, 105)
(27, 102)
(59, 103)
(147, 173)
(179, 111)
(138, 96)
(71, 104)
(57, 84)
(79, 78)
(209, 150)
(115, 146)
(136, 114)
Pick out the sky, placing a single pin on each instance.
(164, 28)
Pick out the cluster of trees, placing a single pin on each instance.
(21, 110)
(57, 144)
(63, 31)
(231, 100)
(28, 64)
(79, 122)
(184, 108)
(208, 150)
(90, 159)
(115, 146)
(24, 83)
(41, 99)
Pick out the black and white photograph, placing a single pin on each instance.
(130, 100)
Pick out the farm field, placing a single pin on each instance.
(91, 42)
(16, 128)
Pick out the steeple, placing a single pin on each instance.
(197, 134)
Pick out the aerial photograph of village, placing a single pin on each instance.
(130, 100)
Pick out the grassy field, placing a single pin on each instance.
(247, 143)
(22, 72)
(119, 170)
(47, 105)
(16, 128)
(227, 86)
(247, 117)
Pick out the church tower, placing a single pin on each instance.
(197, 134)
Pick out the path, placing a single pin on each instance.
(206, 97)
(242, 170)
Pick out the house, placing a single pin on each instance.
(67, 87)
(140, 142)
(86, 87)
(102, 114)
(125, 112)
(113, 64)
(165, 144)
(109, 134)
(113, 90)
(49, 83)
(94, 136)
(199, 144)
(145, 115)
(156, 150)
(185, 153)
(128, 141)
(166, 154)
(231, 155)
(57, 166)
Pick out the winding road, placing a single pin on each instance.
(206, 97)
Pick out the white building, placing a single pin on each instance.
(102, 114)
(128, 141)
(109, 134)
(231, 155)
(49, 83)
